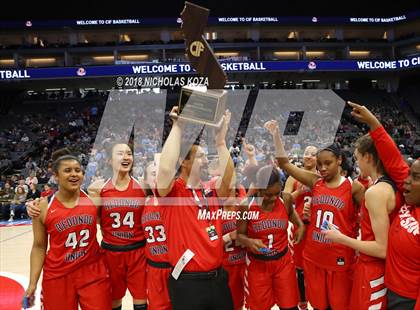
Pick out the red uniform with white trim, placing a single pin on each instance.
(395, 166)
(368, 281)
(271, 278)
(234, 264)
(73, 269)
(123, 238)
(305, 197)
(402, 271)
(186, 231)
(328, 265)
(156, 255)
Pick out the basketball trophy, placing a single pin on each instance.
(195, 104)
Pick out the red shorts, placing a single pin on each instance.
(369, 291)
(88, 286)
(326, 287)
(157, 288)
(269, 282)
(127, 270)
(236, 275)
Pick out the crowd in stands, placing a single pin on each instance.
(16, 191)
(44, 128)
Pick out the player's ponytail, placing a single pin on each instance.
(365, 145)
(346, 166)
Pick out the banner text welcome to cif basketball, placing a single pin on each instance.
(229, 67)
(213, 20)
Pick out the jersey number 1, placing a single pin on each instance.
(270, 240)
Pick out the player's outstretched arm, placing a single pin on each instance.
(169, 156)
(363, 115)
(388, 152)
(250, 154)
(288, 188)
(304, 176)
(224, 184)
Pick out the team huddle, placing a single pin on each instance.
(321, 238)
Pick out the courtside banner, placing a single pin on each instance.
(159, 69)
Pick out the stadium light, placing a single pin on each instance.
(359, 53)
(7, 61)
(135, 57)
(41, 60)
(286, 54)
(315, 53)
(103, 58)
(125, 38)
(227, 54)
(211, 35)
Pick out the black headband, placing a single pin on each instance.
(333, 148)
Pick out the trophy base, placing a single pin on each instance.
(202, 107)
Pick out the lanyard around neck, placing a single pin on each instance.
(198, 200)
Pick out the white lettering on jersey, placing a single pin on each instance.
(408, 222)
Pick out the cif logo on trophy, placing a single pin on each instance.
(196, 48)
(195, 104)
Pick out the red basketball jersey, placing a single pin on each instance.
(186, 230)
(336, 206)
(72, 236)
(152, 223)
(364, 182)
(121, 213)
(366, 225)
(402, 271)
(270, 227)
(233, 254)
(305, 197)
